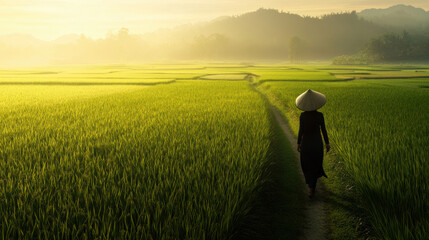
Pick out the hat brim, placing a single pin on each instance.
(310, 100)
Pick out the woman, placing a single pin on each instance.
(310, 144)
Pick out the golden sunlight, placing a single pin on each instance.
(50, 19)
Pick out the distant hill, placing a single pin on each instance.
(24, 40)
(264, 34)
(400, 16)
(66, 39)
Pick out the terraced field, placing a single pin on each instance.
(181, 151)
(166, 161)
(378, 125)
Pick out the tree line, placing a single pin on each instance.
(391, 47)
(265, 34)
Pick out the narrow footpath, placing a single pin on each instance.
(315, 211)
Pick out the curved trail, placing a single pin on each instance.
(315, 215)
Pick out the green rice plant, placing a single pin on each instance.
(178, 161)
(293, 75)
(379, 128)
(89, 152)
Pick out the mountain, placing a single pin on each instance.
(66, 39)
(267, 33)
(27, 40)
(400, 17)
(264, 34)
(23, 40)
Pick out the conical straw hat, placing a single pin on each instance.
(310, 100)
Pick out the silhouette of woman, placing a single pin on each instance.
(310, 144)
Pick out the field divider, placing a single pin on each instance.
(89, 83)
(290, 80)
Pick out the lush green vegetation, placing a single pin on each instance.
(188, 151)
(182, 160)
(380, 133)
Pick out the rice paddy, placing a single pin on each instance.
(171, 161)
(178, 151)
(380, 132)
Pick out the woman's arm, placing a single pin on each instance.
(300, 133)
(325, 134)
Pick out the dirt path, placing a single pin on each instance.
(315, 227)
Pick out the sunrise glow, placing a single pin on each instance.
(50, 19)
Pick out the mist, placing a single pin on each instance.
(265, 34)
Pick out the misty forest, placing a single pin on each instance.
(399, 33)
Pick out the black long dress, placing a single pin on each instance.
(310, 124)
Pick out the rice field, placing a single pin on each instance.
(179, 151)
(379, 128)
(175, 161)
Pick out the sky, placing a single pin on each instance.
(50, 19)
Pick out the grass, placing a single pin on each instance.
(191, 151)
(13, 97)
(152, 163)
(380, 134)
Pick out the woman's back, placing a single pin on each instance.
(311, 122)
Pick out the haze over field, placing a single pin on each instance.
(62, 32)
(177, 119)
(49, 19)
